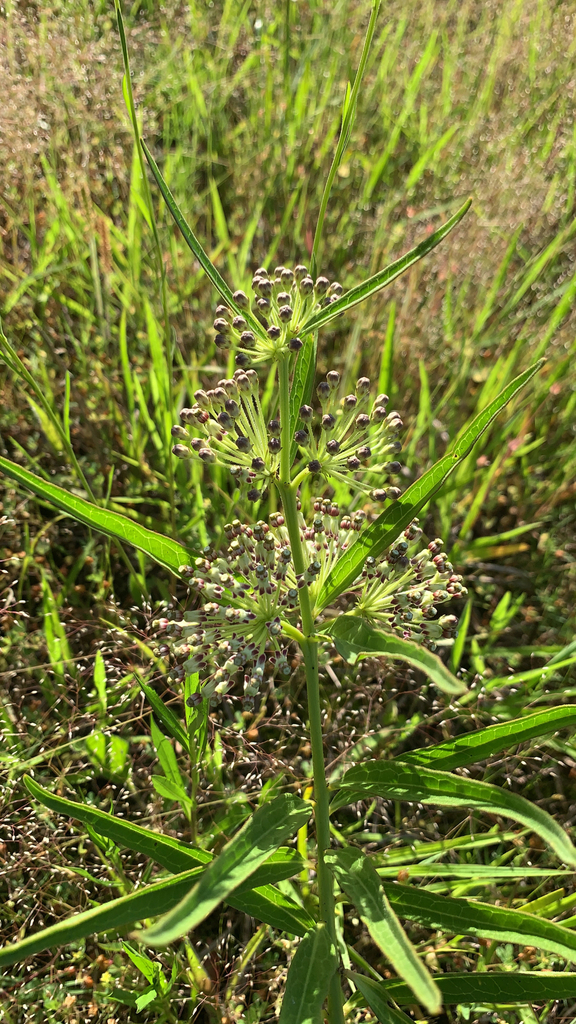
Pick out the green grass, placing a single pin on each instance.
(241, 107)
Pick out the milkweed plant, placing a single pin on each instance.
(356, 573)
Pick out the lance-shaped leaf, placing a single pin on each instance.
(250, 847)
(308, 979)
(483, 743)
(494, 987)
(266, 904)
(355, 639)
(162, 550)
(469, 917)
(173, 854)
(357, 876)
(377, 1000)
(383, 277)
(397, 781)
(193, 244)
(389, 525)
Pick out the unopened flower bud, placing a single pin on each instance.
(300, 272)
(239, 323)
(379, 413)
(362, 386)
(243, 444)
(261, 272)
(314, 466)
(393, 493)
(394, 467)
(274, 428)
(258, 464)
(178, 431)
(301, 437)
(328, 422)
(221, 326)
(242, 360)
(336, 289)
(379, 494)
(187, 415)
(323, 391)
(207, 455)
(321, 286)
(306, 285)
(241, 299)
(362, 421)
(247, 339)
(306, 412)
(222, 310)
(274, 445)
(364, 452)
(333, 447)
(353, 463)
(295, 344)
(283, 299)
(285, 313)
(274, 332)
(349, 402)
(254, 494)
(225, 420)
(232, 408)
(181, 451)
(262, 286)
(333, 378)
(287, 277)
(221, 341)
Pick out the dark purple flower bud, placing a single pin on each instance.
(278, 271)
(207, 455)
(274, 428)
(394, 467)
(300, 272)
(283, 299)
(239, 323)
(221, 326)
(221, 341)
(349, 402)
(196, 443)
(253, 378)
(247, 339)
(243, 444)
(242, 360)
(285, 313)
(263, 287)
(225, 421)
(187, 415)
(381, 400)
(362, 386)
(242, 382)
(362, 421)
(336, 289)
(364, 452)
(379, 495)
(314, 466)
(306, 412)
(181, 451)
(328, 422)
(333, 378)
(274, 332)
(241, 299)
(333, 447)
(353, 463)
(323, 391)
(287, 277)
(295, 344)
(232, 408)
(393, 493)
(178, 431)
(306, 285)
(261, 272)
(322, 285)
(222, 310)
(254, 494)
(258, 464)
(263, 305)
(202, 399)
(301, 437)
(274, 445)
(379, 413)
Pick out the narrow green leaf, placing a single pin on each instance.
(308, 979)
(389, 525)
(268, 904)
(166, 716)
(377, 1000)
(397, 781)
(469, 917)
(383, 277)
(162, 550)
(166, 756)
(302, 384)
(192, 242)
(355, 639)
(270, 825)
(483, 743)
(487, 874)
(357, 876)
(501, 987)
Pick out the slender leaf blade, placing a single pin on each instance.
(483, 743)
(302, 384)
(397, 781)
(383, 277)
(250, 847)
(267, 903)
(389, 525)
(377, 1000)
(192, 242)
(355, 639)
(469, 917)
(162, 550)
(357, 876)
(308, 979)
(500, 987)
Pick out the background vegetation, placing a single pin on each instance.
(241, 105)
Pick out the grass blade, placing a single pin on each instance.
(250, 847)
(357, 877)
(469, 917)
(308, 979)
(477, 746)
(389, 525)
(162, 550)
(383, 277)
(397, 781)
(355, 639)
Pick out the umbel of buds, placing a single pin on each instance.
(352, 437)
(249, 597)
(281, 303)
(353, 440)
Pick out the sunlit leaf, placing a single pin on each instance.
(308, 979)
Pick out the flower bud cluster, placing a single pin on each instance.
(280, 303)
(249, 596)
(226, 425)
(354, 437)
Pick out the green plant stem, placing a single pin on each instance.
(309, 645)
